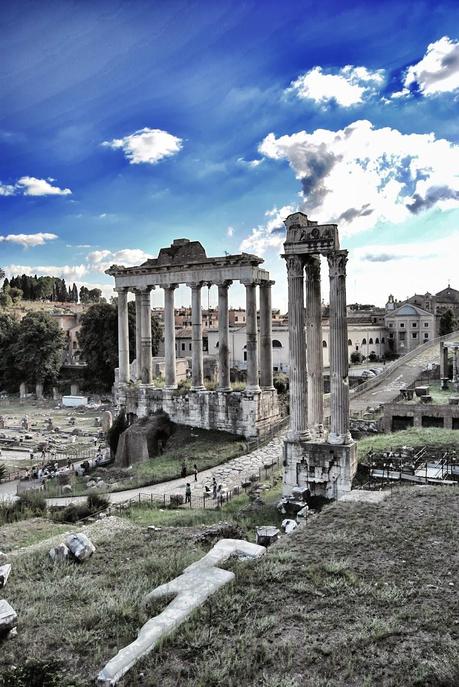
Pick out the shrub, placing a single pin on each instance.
(3, 472)
(280, 382)
(33, 501)
(356, 357)
(97, 502)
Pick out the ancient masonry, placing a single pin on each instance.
(185, 262)
(323, 464)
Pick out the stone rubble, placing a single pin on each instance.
(80, 546)
(8, 617)
(4, 574)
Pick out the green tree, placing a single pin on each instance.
(38, 349)
(5, 299)
(98, 340)
(15, 294)
(447, 322)
(8, 334)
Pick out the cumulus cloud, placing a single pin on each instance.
(68, 272)
(360, 176)
(31, 186)
(101, 260)
(346, 86)
(29, 240)
(230, 232)
(437, 72)
(146, 146)
(271, 234)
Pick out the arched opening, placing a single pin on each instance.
(377, 340)
(349, 342)
(364, 341)
(370, 341)
(324, 344)
(276, 343)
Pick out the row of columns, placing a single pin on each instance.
(256, 374)
(305, 349)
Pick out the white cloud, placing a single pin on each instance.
(347, 86)
(101, 260)
(270, 234)
(31, 186)
(68, 272)
(230, 232)
(360, 176)
(29, 240)
(437, 72)
(146, 146)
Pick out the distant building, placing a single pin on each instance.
(408, 326)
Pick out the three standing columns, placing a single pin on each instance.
(224, 383)
(123, 336)
(298, 429)
(314, 352)
(169, 336)
(339, 366)
(197, 377)
(266, 346)
(252, 338)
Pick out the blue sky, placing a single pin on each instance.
(124, 125)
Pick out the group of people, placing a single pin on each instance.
(215, 489)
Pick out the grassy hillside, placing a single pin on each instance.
(362, 595)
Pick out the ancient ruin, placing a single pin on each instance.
(186, 262)
(323, 464)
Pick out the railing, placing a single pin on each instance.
(375, 381)
(275, 428)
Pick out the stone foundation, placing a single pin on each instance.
(325, 469)
(245, 414)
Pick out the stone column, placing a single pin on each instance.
(123, 337)
(455, 366)
(252, 339)
(138, 332)
(298, 429)
(339, 364)
(197, 379)
(266, 343)
(314, 352)
(224, 383)
(169, 336)
(146, 368)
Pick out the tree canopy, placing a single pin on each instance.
(447, 322)
(8, 334)
(98, 340)
(37, 349)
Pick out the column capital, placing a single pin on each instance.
(195, 284)
(224, 283)
(337, 262)
(295, 265)
(267, 282)
(312, 264)
(249, 282)
(122, 289)
(169, 287)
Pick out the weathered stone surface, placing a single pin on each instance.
(4, 573)
(190, 590)
(67, 489)
(80, 546)
(140, 441)
(289, 526)
(61, 552)
(290, 506)
(106, 420)
(267, 535)
(303, 513)
(8, 617)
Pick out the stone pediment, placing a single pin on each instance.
(307, 236)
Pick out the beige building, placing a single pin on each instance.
(408, 326)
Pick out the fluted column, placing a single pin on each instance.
(298, 429)
(443, 360)
(197, 378)
(224, 383)
(123, 336)
(314, 353)
(169, 336)
(138, 332)
(455, 366)
(339, 366)
(146, 359)
(266, 344)
(252, 339)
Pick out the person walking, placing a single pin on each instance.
(214, 488)
(195, 472)
(183, 472)
(188, 493)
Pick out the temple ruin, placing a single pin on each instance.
(323, 463)
(246, 413)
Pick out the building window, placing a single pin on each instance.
(236, 319)
(364, 342)
(382, 340)
(402, 324)
(402, 336)
(414, 324)
(349, 342)
(391, 336)
(183, 346)
(276, 343)
(391, 324)
(370, 341)
(189, 346)
(426, 335)
(414, 335)
(376, 340)
(426, 324)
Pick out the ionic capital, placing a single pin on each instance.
(337, 263)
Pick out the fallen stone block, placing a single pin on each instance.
(58, 553)
(267, 535)
(4, 573)
(80, 546)
(8, 617)
(303, 513)
(288, 525)
(67, 489)
(290, 506)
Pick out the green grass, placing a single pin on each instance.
(439, 396)
(415, 437)
(28, 532)
(362, 595)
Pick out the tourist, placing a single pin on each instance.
(188, 493)
(220, 494)
(183, 472)
(214, 488)
(195, 472)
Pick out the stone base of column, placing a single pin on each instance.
(252, 390)
(198, 388)
(298, 437)
(340, 439)
(224, 389)
(325, 469)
